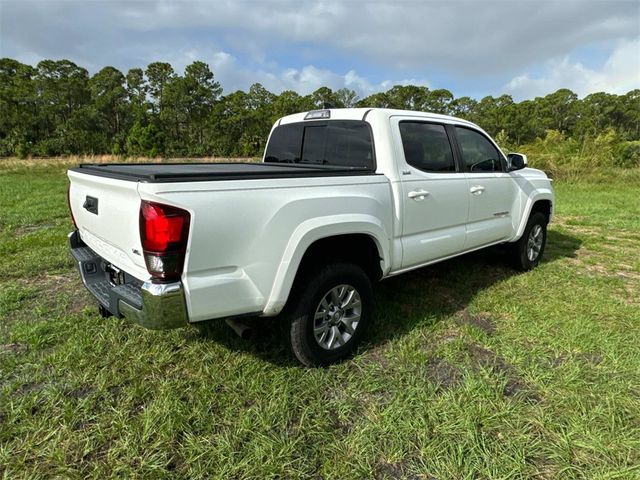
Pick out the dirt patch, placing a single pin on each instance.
(97, 453)
(137, 407)
(114, 391)
(343, 427)
(395, 470)
(570, 222)
(27, 229)
(628, 274)
(380, 398)
(56, 289)
(80, 392)
(442, 373)
(605, 263)
(482, 320)
(590, 358)
(388, 470)
(29, 387)
(293, 428)
(515, 385)
(449, 335)
(545, 467)
(14, 348)
(376, 356)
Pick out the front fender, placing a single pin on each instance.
(316, 229)
(539, 194)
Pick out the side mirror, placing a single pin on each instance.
(517, 161)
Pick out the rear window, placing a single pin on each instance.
(341, 143)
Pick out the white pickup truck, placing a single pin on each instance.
(342, 199)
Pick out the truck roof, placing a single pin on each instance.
(359, 114)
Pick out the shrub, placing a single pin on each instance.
(566, 157)
(628, 154)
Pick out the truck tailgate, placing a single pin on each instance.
(106, 212)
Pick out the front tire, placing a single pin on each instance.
(331, 312)
(528, 250)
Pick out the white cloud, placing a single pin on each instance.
(464, 36)
(301, 44)
(619, 74)
(304, 80)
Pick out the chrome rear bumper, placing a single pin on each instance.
(152, 305)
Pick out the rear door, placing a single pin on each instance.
(492, 191)
(434, 192)
(106, 211)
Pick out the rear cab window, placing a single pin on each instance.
(332, 143)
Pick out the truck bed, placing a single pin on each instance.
(193, 172)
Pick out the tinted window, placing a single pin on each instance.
(285, 144)
(313, 146)
(426, 147)
(478, 153)
(337, 142)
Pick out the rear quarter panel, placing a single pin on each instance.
(247, 237)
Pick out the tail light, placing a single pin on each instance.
(164, 231)
(73, 219)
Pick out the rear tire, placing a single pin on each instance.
(528, 250)
(330, 314)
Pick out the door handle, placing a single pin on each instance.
(477, 189)
(418, 194)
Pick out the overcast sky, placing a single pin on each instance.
(476, 48)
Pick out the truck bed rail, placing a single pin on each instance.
(194, 172)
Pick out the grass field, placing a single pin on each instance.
(470, 371)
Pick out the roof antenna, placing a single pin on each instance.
(327, 105)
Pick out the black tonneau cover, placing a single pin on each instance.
(194, 172)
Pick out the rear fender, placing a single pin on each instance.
(315, 229)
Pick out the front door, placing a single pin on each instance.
(492, 191)
(434, 193)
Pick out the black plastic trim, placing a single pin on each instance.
(457, 154)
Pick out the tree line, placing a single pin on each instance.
(57, 108)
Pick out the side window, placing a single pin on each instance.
(478, 153)
(426, 147)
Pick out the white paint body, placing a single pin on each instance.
(247, 237)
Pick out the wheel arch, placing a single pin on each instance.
(361, 241)
(540, 203)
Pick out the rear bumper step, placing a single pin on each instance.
(152, 305)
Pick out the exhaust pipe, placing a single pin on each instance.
(243, 330)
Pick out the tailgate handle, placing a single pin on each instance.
(91, 205)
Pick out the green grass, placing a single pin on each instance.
(470, 370)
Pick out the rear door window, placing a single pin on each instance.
(426, 147)
(340, 143)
